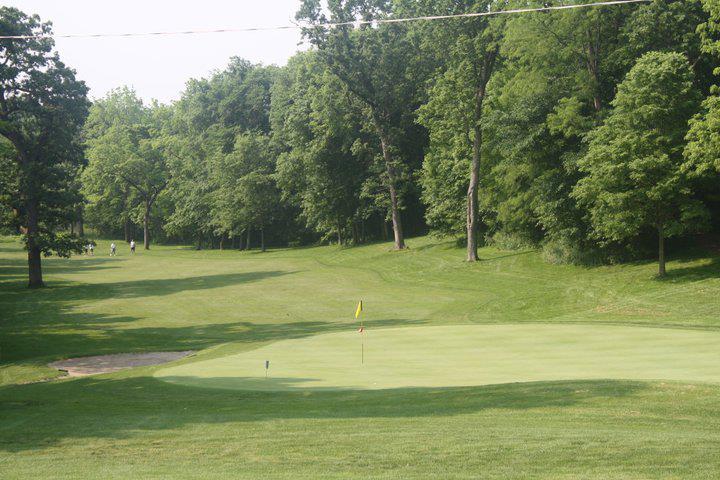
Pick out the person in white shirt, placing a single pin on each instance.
(112, 249)
(91, 249)
(132, 246)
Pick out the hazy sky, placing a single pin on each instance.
(158, 67)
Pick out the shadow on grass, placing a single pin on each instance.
(77, 335)
(46, 323)
(693, 264)
(16, 270)
(118, 408)
(692, 273)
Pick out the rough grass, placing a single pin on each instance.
(132, 425)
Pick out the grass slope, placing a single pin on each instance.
(132, 425)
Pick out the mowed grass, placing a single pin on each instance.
(459, 356)
(133, 425)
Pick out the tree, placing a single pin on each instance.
(703, 148)
(123, 140)
(189, 189)
(710, 30)
(42, 107)
(244, 195)
(207, 122)
(379, 65)
(111, 200)
(316, 124)
(554, 83)
(702, 152)
(635, 178)
(667, 25)
(258, 196)
(454, 112)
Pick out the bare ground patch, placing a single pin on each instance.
(81, 366)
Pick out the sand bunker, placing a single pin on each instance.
(81, 366)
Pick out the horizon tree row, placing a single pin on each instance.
(591, 133)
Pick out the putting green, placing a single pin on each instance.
(453, 356)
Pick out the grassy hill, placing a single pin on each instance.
(226, 302)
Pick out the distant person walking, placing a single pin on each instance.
(112, 249)
(91, 249)
(132, 246)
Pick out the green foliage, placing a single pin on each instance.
(127, 168)
(703, 148)
(324, 165)
(245, 195)
(42, 108)
(634, 169)
(379, 66)
(702, 153)
(453, 115)
(710, 30)
(376, 120)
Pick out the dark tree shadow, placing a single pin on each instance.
(693, 273)
(15, 270)
(150, 404)
(58, 344)
(163, 286)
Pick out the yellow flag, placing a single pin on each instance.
(359, 309)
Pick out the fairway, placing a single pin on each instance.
(606, 365)
(456, 356)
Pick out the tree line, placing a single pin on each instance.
(591, 133)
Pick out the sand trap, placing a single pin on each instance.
(81, 366)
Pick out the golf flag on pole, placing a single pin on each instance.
(358, 311)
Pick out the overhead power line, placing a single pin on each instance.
(322, 25)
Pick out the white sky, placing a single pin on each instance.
(158, 67)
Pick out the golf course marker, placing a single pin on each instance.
(361, 330)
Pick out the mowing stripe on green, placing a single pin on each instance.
(452, 356)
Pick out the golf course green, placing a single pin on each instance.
(520, 368)
(456, 356)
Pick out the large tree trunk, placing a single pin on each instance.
(339, 234)
(262, 239)
(34, 254)
(126, 228)
(472, 214)
(222, 241)
(661, 251)
(472, 196)
(146, 226)
(247, 244)
(392, 187)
